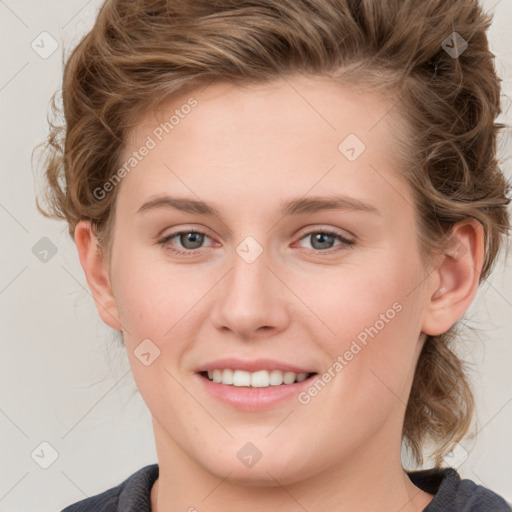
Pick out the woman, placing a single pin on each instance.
(285, 207)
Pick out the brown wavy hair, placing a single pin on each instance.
(141, 52)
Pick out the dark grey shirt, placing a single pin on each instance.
(451, 493)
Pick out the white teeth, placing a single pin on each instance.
(276, 377)
(241, 378)
(301, 377)
(259, 379)
(226, 376)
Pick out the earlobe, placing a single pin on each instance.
(456, 278)
(96, 273)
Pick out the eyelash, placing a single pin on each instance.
(345, 243)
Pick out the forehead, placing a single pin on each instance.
(304, 104)
(294, 134)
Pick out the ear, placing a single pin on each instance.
(95, 269)
(455, 281)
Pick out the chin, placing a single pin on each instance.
(268, 473)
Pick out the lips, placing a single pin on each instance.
(249, 398)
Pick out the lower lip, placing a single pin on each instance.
(253, 399)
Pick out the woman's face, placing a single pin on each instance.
(261, 281)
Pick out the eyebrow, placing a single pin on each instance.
(291, 207)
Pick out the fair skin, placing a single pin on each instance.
(244, 151)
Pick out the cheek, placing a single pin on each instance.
(374, 321)
(365, 299)
(149, 295)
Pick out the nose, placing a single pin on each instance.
(251, 300)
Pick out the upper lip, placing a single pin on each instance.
(252, 365)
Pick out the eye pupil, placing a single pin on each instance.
(322, 238)
(195, 238)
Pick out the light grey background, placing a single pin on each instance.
(62, 378)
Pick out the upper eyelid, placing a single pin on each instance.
(309, 230)
(335, 231)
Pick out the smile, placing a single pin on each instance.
(257, 379)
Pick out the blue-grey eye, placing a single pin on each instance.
(191, 239)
